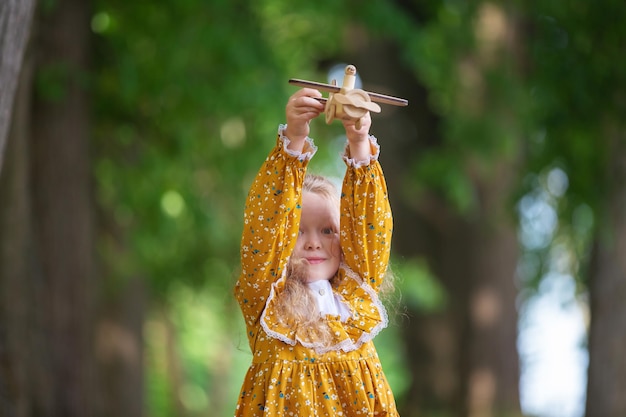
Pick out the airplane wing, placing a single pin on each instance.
(380, 98)
(312, 84)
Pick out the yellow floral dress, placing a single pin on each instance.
(290, 374)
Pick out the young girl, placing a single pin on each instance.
(312, 266)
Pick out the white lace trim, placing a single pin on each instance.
(309, 146)
(345, 345)
(357, 164)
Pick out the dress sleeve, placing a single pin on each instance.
(366, 220)
(271, 218)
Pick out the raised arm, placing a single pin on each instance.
(366, 220)
(272, 211)
(270, 229)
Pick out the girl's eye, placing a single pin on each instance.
(327, 231)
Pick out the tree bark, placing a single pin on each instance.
(22, 367)
(46, 241)
(606, 382)
(15, 21)
(62, 204)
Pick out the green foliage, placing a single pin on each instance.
(475, 88)
(419, 288)
(577, 87)
(173, 78)
(441, 171)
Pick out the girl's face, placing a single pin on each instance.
(318, 240)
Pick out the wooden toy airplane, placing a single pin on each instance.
(347, 102)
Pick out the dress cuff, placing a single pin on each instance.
(374, 153)
(307, 152)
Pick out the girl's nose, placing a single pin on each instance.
(312, 242)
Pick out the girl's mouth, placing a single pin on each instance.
(315, 261)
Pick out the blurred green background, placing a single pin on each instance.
(139, 126)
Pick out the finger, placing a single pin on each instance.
(307, 96)
(309, 109)
(305, 93)
(308, 103)
(309, 92)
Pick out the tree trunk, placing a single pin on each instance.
(47, 252)
(22, 366)
(62, 203)
(606, 383)
(15, 21)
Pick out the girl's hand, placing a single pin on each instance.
(358, 139)
(300, 110)
(361, 134)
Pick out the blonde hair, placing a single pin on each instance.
(296, 305)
